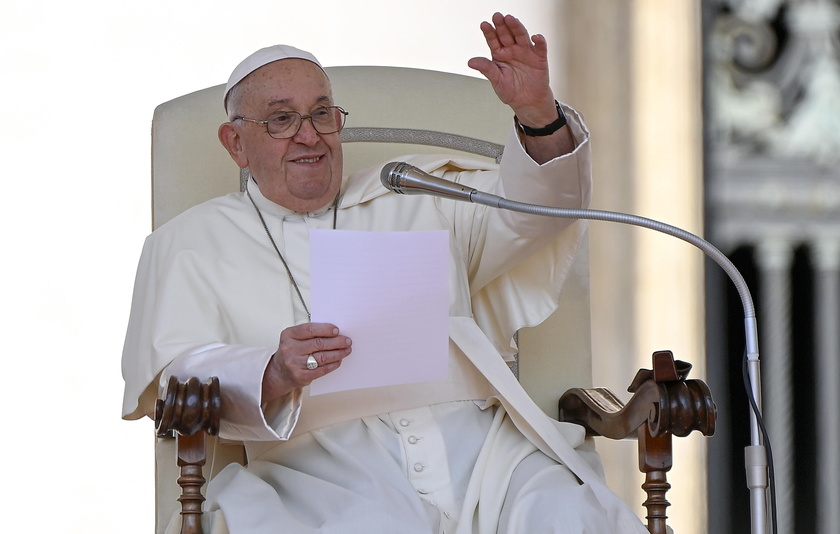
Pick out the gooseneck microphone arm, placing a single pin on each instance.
(406, 179)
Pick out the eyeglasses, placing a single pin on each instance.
(286, 124)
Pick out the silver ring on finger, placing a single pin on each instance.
(311, 363)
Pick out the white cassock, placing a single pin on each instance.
(471, 454)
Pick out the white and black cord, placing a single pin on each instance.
(745, 371)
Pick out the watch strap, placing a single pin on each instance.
(545, 130)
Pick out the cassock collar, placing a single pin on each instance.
(267, 206)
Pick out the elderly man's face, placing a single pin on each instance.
(302, 173)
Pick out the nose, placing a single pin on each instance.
(306, 134)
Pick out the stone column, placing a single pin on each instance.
(826, 256)
(774, 258)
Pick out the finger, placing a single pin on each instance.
(306, 331)
(503, 29)
(319, 330)
(490, 35)
(484, 66)
(326, 358)
(324, 344)
(310, 375)
(297, 342)
(297, 371)
(518, 32)
(540, 45)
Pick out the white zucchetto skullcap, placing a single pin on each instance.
(263, 57)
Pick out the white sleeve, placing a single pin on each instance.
(565, 181)
(240, 369)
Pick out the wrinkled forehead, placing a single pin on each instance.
(261, 58)
(291, 83)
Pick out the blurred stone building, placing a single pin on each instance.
(772, 191)
(721, 117)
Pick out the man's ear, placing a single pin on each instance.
(233, 143)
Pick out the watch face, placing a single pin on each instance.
(562, 115)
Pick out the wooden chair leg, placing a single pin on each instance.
(655, 460)
(190, 411)
(191, 459)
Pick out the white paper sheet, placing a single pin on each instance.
(389, 292)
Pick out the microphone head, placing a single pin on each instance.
(405, 179)
(389, 176)
(392, 175)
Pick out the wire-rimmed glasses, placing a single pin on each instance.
(285, 124)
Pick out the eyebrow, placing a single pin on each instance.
(319, 100)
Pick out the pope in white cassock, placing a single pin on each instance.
(222, 290)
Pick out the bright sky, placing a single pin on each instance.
(79, 83)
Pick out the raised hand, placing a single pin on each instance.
(518, 69)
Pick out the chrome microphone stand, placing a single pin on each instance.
(403, 178)
(756, 460)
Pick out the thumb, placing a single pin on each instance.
(486, 67)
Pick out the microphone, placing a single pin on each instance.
(407, 179)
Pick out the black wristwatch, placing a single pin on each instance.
(545, 130)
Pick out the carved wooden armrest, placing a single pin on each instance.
(664, 403)
(190, 410)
